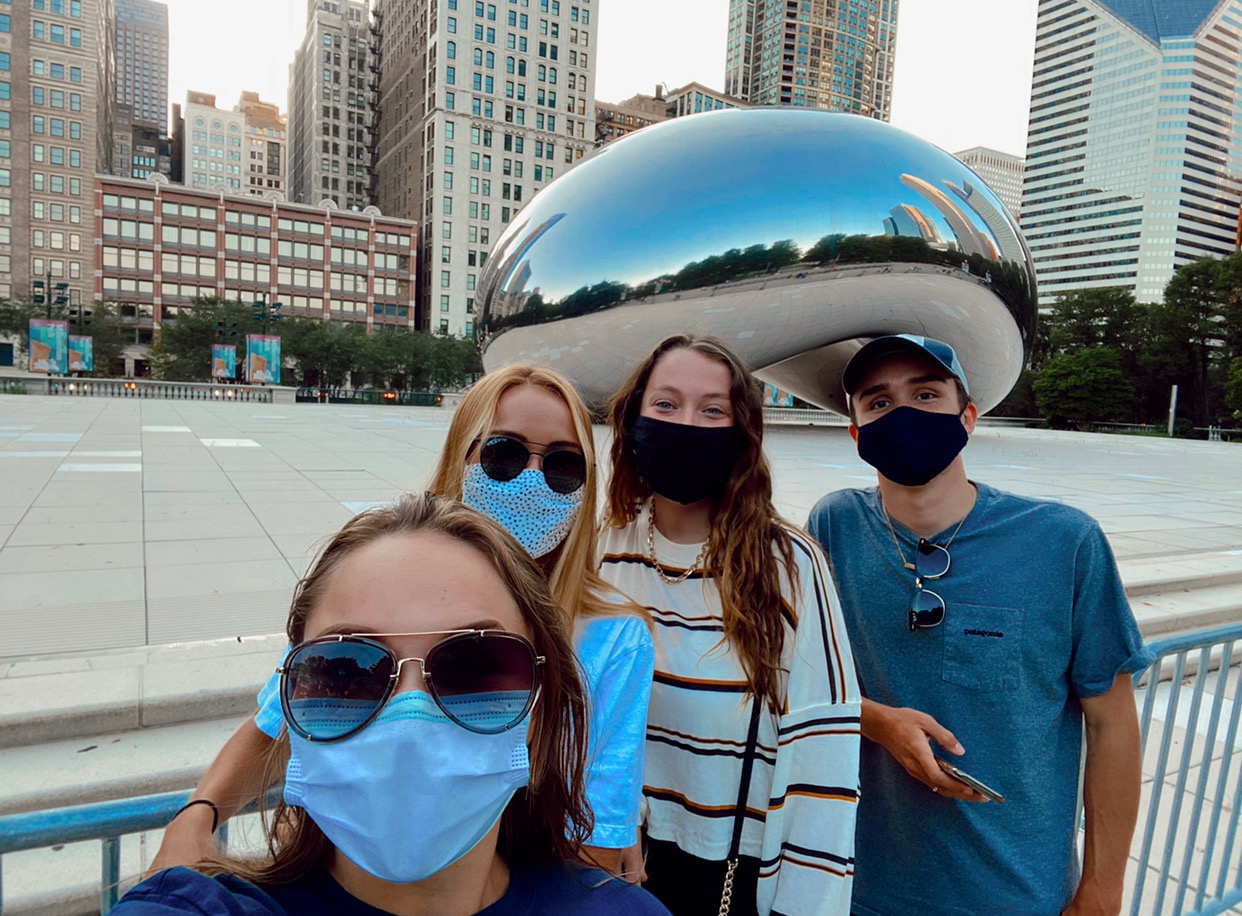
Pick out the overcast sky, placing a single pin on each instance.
(963, 66)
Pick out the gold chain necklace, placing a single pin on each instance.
(651, 554)
(893, 534)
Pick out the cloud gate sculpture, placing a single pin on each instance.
(795, 236)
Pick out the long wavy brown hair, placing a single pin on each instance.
(546, 821)
(572, 567)
(749, 542)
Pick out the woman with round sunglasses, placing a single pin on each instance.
(436, 742)
(520, 449)
(751, 775)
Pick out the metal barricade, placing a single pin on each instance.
(1188, 860)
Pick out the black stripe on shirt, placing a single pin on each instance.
(829, 858)
(769, 759)
(822, 720)
(729, 810)
(685, 683)
(808, 790)
(674, 571)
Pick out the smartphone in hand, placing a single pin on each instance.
(962, 776)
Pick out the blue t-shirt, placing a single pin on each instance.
(1036, 619)
(617, 656)
(539, 890)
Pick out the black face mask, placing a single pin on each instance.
(685, 463)
(911, 446)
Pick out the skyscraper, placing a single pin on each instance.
(56, 105)
(833, 54)
(142, 59)
(1134, 156)
(1001, 171)
(333, 85)
(481, 104)
(265, 144)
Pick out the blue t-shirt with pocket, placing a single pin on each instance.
(1036, 620)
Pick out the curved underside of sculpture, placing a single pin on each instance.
(795, 236)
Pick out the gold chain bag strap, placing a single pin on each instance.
(739, 817)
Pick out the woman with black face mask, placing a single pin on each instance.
(751, 776)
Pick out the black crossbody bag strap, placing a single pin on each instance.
(739, 817)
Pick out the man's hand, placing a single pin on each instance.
(187, 839)
(907, 735)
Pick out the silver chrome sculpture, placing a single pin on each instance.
(795, 236)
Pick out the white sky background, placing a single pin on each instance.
(963, 71)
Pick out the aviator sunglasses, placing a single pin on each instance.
(503, 458)
(332, 687)
(931, 561)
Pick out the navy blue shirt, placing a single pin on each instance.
(540, 890)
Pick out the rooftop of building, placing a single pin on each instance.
(1161, 20)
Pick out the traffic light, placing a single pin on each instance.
(276, 307)
(220, 329)
(62, 293)
(260, 307)
(39, 297)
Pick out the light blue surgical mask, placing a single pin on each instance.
(526, 506)
(412, 792)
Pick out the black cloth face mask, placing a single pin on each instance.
(911, 446)
(685, 463)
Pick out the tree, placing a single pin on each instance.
(1084, 387)
(100, 321)
(183, 352)
(1094, 318)
(1233, 388)
(1188, 331)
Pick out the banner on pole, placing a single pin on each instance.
(81, 354)
(263, 358)
(223, 361)
(49, 346)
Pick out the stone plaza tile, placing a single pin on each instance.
(211, 550)
(72, 557)
(217, 616)
(28, 534)
(243, 524)
(188, 580)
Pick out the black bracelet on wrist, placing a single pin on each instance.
(215, 812)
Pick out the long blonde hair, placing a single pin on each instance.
(745, 527)
(571, 567)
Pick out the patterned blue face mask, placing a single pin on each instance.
(526, 506)
(412, 792)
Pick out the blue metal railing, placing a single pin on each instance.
(1188, 861)
(1188, 833)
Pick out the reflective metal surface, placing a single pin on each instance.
(795, 236)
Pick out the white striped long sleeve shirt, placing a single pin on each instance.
(804, 788)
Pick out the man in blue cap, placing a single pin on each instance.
(987, 628)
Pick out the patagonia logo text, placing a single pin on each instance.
(996, 633)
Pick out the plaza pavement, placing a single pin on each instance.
(148, 550)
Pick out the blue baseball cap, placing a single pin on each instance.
(881, 347)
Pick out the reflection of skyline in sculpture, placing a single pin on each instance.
(905, 219)
(969, 239)
(790, 234)
(1006, 236)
